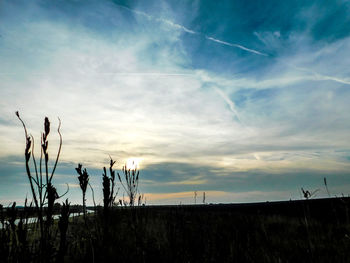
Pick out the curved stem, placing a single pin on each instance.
(35, 166)
(93, 195)
(59, 149)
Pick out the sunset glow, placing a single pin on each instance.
(201, 96)
(133, 163)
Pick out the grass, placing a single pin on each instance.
(266, 232)
(214, 234)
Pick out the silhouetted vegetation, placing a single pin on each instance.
(83, 182)
(130, 184)
(310, 230)
(262, 232)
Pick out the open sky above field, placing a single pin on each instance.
(245, 100)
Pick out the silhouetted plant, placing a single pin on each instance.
(51, 198)
(325, 183)
(83, 182)
(27, 154)
(131, 178)
(17, 234)
(63, 227)
(108, 184)
(43, 191)
(307, 194)
(141, 200)
(22, 235)
(12, 215)
(2, 217)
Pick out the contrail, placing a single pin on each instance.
(228, 101)
(235, 45)
(170, 23)
(187, 30)
(165, 21)
(318, 76)
(325, 77)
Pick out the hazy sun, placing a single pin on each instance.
(133, 163)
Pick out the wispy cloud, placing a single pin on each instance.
(195, 180)
(162, 20)
(319, 77)
(228, 101)
(187, 30)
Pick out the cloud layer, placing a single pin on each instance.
(235, 104)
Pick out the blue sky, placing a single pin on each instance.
(245, 100)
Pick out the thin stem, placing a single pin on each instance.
(41, 173)
(84, 207)
(60, 196)
(24, 126)
(35, 166)
(30, 177)
(93, 195)
(27, 162)
(59, 149)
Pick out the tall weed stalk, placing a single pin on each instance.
(130, 184)
(43, 191)
(108, 183)
(83, 182)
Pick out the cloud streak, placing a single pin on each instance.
(187, 30)
(236, 45)
(318, 77)
(228, 101)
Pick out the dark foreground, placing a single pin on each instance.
(293, 231)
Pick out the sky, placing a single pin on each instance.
(247, 101)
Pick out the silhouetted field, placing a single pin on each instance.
(297, 231)
(293, 231)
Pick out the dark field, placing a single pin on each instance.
(294, 231)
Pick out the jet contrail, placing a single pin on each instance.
(235, 45)
(325, 77)
(187, 30)
(170, 23)
(228, 101)
(165, 21)
(318, 76)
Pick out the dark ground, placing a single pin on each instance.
(316, 230)
(293, 231)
